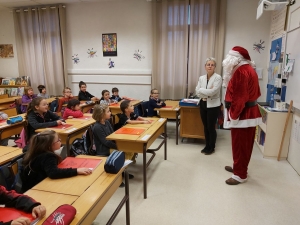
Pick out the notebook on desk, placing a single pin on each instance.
(8, 214)
(63, 126)
(127, 130)
(71, 162)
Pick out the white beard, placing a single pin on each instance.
(228, 64)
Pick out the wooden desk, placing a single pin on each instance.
(8, 130)
(69, 134)
(8, 153)
(86, 107)
(191, 125)
(115, 108)
(6, 102)
(141, 143)
(94, 192)
(171, 113)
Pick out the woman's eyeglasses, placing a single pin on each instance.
(210, 64)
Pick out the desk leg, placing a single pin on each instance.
(144, 172)
(165, 141)
(177, 124)
(68, 146)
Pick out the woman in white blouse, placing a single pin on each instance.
(208, 90)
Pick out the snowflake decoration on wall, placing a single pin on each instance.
(75, 58)
(138, 55)
(91, 53)
(259, 47)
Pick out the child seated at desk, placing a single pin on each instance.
(67, 92)
(101, 130)
(73, 110)
(3, 116)
(38, 116)
(154, 102)
(24, 203)
(27, 98)
(128, 115)
(105, 100)
(83, 95)
(115, 95)
(42, 158)
(42, 90)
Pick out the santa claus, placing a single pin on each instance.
(241, 112)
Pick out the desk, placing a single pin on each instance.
(86, 107)
(8, 153)
(88, 194)
(141, 143)
(191, 125)
(8, 130)
(171, 113)
(69, 134)
(6, 102)
(115, 108)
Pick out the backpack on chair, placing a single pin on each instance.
(88, 140)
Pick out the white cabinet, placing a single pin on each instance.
(269, 134)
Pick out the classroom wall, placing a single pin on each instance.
(244, 30)
(131, 20)
(9, 66)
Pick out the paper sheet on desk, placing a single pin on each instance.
(188, 100)
(127, 162)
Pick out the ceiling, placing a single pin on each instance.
(10, 4)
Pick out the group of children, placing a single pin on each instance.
(43, 154)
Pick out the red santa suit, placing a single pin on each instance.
(242, 114)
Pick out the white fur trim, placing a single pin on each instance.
(234, 122)
(235, 177)
(241, 123)
(235, 53)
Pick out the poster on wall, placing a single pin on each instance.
(6, 51)
(109, 44)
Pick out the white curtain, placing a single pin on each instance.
(169, 73)
(40, 39)
(185, 34)
(207, 34)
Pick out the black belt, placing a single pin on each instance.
(247, 104)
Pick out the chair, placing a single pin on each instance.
(144, 107)
(6, 177)
(18, 103)
(15, 168)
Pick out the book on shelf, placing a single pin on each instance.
(71, 162)
(2, 91)
(14, 92)
(18, 81)
(20, 91)
(7, 91)
(12, 81)
(25, 81)
(5, 81)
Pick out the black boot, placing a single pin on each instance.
(209, 152)
(205, 150)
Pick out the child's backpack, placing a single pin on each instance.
(77, 147)
(88, 140)
(54, 105)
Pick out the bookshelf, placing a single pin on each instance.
(269, 134)
(12, 86)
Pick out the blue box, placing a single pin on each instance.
(187, 104)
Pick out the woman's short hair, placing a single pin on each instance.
(99, 112)
(211, 59)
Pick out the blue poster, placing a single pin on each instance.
(275, 51)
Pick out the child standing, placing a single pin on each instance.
(84, 95)
(27, 98)
(4, 116)
(42, 158)
(42, 90)
(154, 102)
(38, 116)
(105, 100)
(128, 115)
(67, 92)
(73, 109)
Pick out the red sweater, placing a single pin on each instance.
(69, 112)
(61, 102)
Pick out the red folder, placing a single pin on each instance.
(8, 214)
(71, 162)
(134, 131)
(63, 126)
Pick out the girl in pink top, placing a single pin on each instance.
(73, 109)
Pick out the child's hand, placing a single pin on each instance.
(71, 95)
(84, 171)
(59, 122)
(39, 211)
(21, 221)
(70, 117)
(147, 121)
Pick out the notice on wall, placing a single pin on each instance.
(278, 23)
(296, 130)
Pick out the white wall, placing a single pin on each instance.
(9, 66)
(242, 29)
(131, 20)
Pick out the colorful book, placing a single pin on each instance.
(127, 130)
(7, 91)
(71, 162)
(14, 92)
(18, 81)
(63, 126)
(8, 214)
(12, 81)
(25, 81)
(2, 91)
(20, 91)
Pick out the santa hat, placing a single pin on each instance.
(240, 52)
